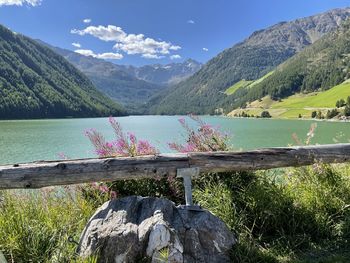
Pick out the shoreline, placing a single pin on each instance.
(290, 119)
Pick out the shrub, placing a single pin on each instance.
(340, 103)
(265, 114)
(331, 113)
(347, 110)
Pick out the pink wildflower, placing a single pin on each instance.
(132, 137)
(205, 138)
(113, 194)
(124, 145)
(104, 188)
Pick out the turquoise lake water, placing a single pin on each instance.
(32, 140)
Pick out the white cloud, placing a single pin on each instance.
(152, 56)
(76, 45)
(175, 57)
(90, 53)
(110, 55)
(190, 21)
(20, 2)
(109, 33)
(87, 20)
(205, 49)
(85, 52)
(129, 43)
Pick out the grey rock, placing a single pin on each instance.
(2, 258)
(135, 228)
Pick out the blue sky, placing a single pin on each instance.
(151, 31)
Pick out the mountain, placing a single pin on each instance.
(317, 68)
(249, 60)
(129, 85)
(35, 82)
(111, 79)
(169, 74)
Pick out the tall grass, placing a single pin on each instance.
(281, 214)
(35, 225)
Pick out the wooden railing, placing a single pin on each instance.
(51, 173)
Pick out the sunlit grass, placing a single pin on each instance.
(35, 225)
(288, 215)
(325, 99)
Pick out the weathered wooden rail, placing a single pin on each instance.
(51, 173)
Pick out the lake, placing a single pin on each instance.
(31, 140)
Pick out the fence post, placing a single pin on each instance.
(187, 174)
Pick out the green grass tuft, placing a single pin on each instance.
(35, 225)
(289, 215)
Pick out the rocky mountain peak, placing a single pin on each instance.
(299, 33)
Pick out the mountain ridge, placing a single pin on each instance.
(250, 59)
(319, 67)
(132, 86)
(35, 82)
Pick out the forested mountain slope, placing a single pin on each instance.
(248, 60)
(35, 82)
(318, 67)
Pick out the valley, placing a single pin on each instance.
(105, 105)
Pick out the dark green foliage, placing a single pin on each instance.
(347, 110)
(169, 188)
(331, 113)
(313, 114)
(340, 103)
(319, 115)
(265, 114)
(35, 82)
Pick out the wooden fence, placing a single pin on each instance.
(51, 173)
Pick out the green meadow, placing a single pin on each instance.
(303, 104)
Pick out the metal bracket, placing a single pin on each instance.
(187, 174)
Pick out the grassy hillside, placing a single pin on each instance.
(246, 84)
(35, 82)
(325, 99)
(303, 104)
